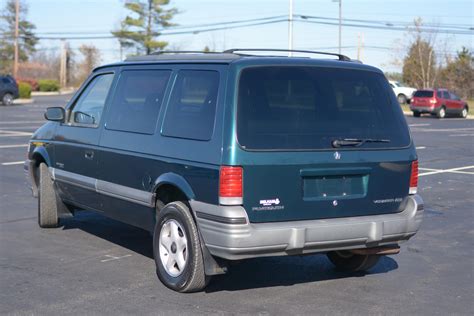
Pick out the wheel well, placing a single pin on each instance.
(168, 193)
(38, 159)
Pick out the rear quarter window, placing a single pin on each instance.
(192, 107)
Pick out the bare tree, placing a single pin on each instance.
(91, 59)
(420, 65)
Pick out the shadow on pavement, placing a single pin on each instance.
(245, 274)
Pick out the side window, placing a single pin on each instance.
(446, 95)
(439, 94)
(192, 108)
(137, 102)
(89, 106)
(453, 96)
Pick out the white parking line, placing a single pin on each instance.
(421, 147)
(460, 135)
(13, 146)
(12, 163)
(413, 125)
(110, 258)
(453, 170)
(4, 133)
(20, 122)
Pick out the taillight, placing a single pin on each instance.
(230, 185)
(413, 177)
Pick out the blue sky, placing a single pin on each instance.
(381, 46)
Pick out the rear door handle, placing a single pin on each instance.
(89, 154)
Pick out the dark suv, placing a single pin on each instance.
(8, 89)
(228, 156)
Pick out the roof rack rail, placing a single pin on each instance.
(234, 50)
(161, 52)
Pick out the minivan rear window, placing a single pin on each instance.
(423, 94)
(306, 108)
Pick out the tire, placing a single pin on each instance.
(48, 205)
(402, 99)
(7, 99)
(177, 250)
(416, 114)
(441, 113)
(464, 112)
(349, 262)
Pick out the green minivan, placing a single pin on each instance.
(234, 155)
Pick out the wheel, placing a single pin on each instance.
(402, 99)
(416, 114)
(464, 112)
(7, 99)
(346, 261)
(48, 205)
(441, 113)
(177, 250)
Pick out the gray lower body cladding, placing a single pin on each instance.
(249, 240)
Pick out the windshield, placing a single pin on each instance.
(306, 108)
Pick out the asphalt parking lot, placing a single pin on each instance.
(94, 265)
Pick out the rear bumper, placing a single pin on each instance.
(424, 109)
(227, 236)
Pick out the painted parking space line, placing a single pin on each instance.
(111, 258)
(431, 171)
(421, 147)
(13, 163)
(19, 122)
(13, 146)
(421, 124)
(461, 135)
(5, 133)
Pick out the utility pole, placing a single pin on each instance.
(290, 28)
(62, 64)
(358, 46)
(340, 25)
(17, 18)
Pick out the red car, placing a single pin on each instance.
(439, 102)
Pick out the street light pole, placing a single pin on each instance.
(17, 18)
(290, 28)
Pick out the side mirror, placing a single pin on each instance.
(55, 114)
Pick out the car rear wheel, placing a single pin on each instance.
(48, 204)
(441, 113)
(177, 250)
(416, 114)
(464, 112)
(402, 99)
(346, 261)
(7, 99)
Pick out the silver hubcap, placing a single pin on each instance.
(464, 113)
(441, 113)
(173, 248)
(8, 99)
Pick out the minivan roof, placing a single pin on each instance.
(230, 56)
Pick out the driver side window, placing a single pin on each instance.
(88, 108)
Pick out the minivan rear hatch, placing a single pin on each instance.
(320, 142)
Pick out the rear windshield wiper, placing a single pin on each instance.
(356, 142)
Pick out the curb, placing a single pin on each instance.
(23, 101)
(409, 113)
